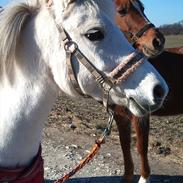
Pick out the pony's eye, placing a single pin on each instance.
(123, 11)
(94, 35)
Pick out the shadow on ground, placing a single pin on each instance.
(116, 179)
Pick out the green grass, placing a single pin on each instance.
(173, 41)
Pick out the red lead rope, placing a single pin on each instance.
(92, 153)
(83, 162)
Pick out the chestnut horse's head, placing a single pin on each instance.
(139, 31)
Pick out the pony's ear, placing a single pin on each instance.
(64, 2)
(67, 2)
(72, 1)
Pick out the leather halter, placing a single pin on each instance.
(135, 36)
(119, 74)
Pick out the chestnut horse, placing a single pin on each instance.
(138, 29)
(132, 21)
(172, 73)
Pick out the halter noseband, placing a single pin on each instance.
(135, 36)
(119, 74)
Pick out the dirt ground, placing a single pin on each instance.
(74, 125)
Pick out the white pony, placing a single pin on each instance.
(33, 68)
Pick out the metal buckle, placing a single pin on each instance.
(70, 46)
(107, 130)
(134, 39)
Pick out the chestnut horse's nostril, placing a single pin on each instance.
(157, 43)
(158, 93)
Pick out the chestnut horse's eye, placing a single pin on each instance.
(94, 35)
(123, 11)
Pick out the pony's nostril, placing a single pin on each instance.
(157, 43)
(158, 93)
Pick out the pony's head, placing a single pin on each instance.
(59, 32)
(90, 24)
(139, 31)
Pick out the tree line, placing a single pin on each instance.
(169, 29)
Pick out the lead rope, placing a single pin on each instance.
(93, 151)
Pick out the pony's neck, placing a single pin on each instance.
(26, 98)
(24, 107)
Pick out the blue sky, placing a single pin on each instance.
(158, 11)
(164, 11)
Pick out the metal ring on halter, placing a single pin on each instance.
(134, 39)
(107, 131)
(70, 46)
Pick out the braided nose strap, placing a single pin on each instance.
(126, 68)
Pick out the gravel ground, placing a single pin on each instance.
(70, 133)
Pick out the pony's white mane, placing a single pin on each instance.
(12, 21)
